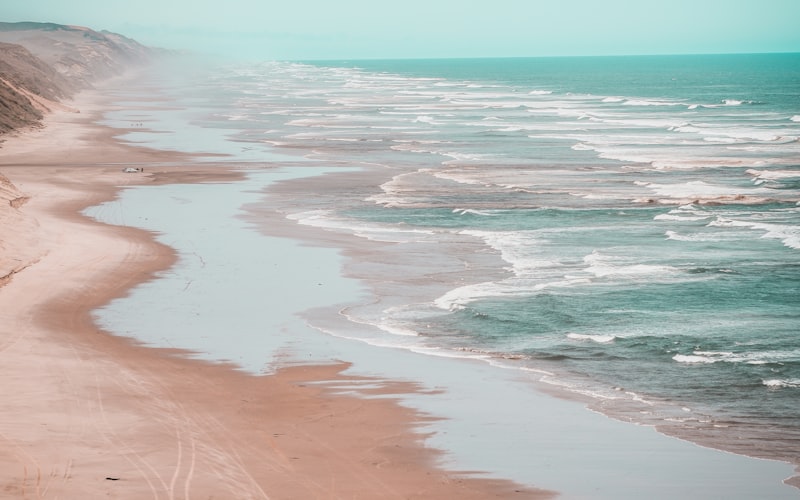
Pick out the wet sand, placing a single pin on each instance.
(89, 414)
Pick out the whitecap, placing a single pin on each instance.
(681, 218)
(750, 358)
(789, 235)
(515, 247)
(582, 146)
(464, 157)
(603, 266)
(684, 127)
(672, 235)
(723, 140)
(683, 358)
(424, 119)
(780, 383)
(647, 102)
(470, 211)
(701, 190)
(458, 298)
(600, 339)
(795, 118)
(773, 174)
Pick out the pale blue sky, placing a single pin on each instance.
(320, 29)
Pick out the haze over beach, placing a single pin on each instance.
(515, 250)
(359, 29)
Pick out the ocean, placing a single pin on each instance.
(625, 230)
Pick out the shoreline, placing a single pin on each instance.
(273, 221)
(488, 419)
(566, 432)
(90, 413)
(363, 257)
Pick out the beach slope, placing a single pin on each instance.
(88, 414)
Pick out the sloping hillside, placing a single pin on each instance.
(42, 63)
(27, 85)
(80, 54)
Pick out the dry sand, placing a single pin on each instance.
(86, 414)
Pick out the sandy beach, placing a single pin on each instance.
(88, 414)
(169, 352)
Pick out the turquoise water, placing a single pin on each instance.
(627, 229)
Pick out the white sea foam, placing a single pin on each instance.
(789, 235)
(672, 235)
(325, 219)
(650, 102)
(518, 248)
(460, 297)
(603, 266)
(458, 157)
(398, 190)
(600, 339)
(701, 190)
(751, 358)
(773, 174)
(724, 140)
(597, 393)
(776, 383)
(680, 216)
(540, 92)
(457, 176)
(682, 358)
(697, 237)
(425, 119)
(628, 121)
(732, 135)
(470, 211)
(397, 330)
(795, 118)
(687, 128)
